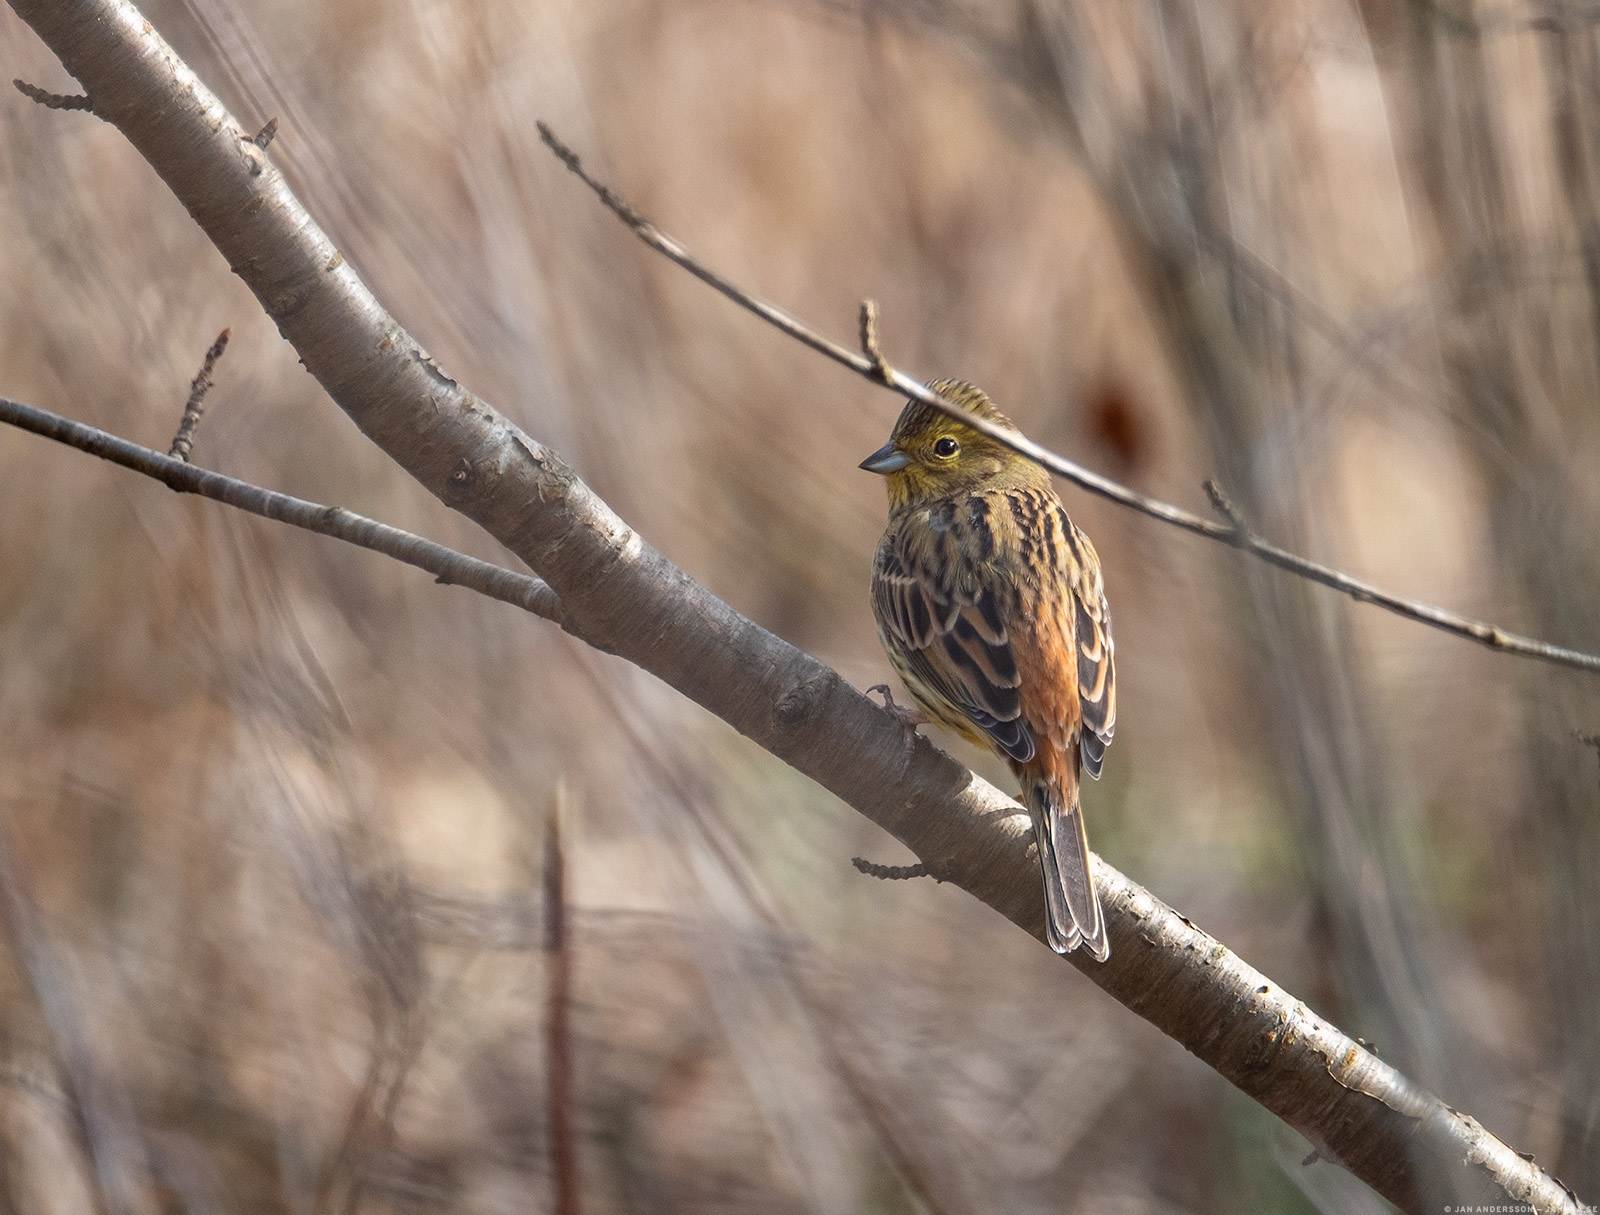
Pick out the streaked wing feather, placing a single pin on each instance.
(1097, 671)
(955, 641)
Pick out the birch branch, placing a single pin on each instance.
(617, 592)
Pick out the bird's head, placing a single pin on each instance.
(931, 455)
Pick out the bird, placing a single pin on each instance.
(992, 609)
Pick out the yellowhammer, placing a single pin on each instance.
(992, 609)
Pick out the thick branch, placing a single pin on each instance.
(618, 592)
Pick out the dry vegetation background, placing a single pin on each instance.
(271, 809)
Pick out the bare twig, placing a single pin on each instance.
(1224, 505)
(558, 1027)
(448, 566)
(54, 101)
(183, 441)
(895, 873)
(879, 372)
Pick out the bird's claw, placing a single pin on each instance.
(909, 719)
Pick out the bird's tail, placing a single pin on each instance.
(1072, 908)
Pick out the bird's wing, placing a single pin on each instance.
(1060, 624)
(943, 608)
(1097, 670)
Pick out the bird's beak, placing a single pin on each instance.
(886, 459)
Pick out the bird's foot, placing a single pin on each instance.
(909, 719)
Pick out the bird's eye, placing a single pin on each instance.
(946, 447)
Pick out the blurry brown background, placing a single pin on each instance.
(272, 808)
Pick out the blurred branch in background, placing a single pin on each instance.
(99, 1108)
(560, 1092)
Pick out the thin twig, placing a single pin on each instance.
(1224, 505)
(183, 441)
(895, 873)
(54, 101)
(448, 566)
(558, 1027)
(1484, 633)
(869, 342)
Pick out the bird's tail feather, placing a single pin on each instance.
(1072, 908)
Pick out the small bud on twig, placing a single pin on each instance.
(869, 341)
(183, 441)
